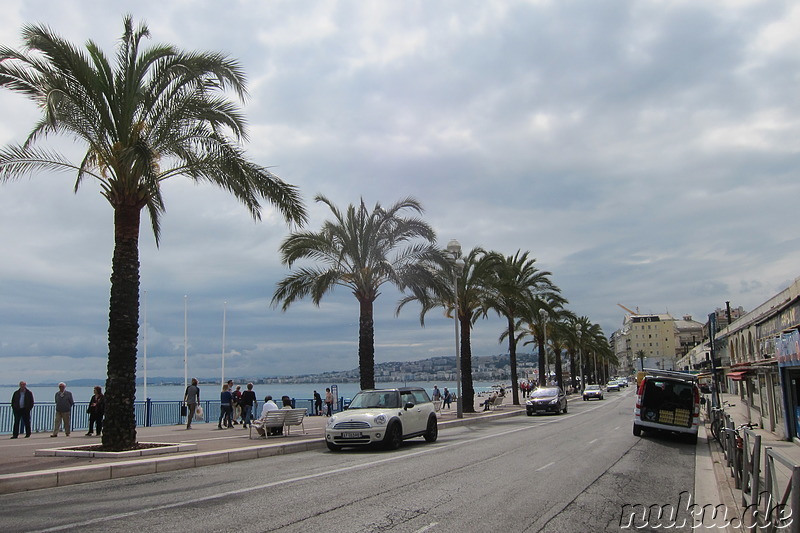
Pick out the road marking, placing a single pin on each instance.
(545, 466)
(426, 528)
(592, 441)
(288, 481)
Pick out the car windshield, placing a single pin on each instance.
(592, 387)
(544, 393)
(373, 399)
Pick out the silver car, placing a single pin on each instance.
(383, 416)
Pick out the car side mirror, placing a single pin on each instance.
(408, 405)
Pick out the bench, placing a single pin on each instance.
(497, 402)
(279, 419)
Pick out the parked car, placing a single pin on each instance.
(383, 416)
(612, 386)
(623, 382)
(546, 400)
(667, 401)
(592, 391)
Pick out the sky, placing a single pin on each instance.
(645, 152)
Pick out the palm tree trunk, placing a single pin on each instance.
(467, 389)
(542, 369)
(366, 344)
(119, 428)
(512, 356)
(572, 371)
(559, 373)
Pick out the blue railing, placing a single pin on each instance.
(148, 413)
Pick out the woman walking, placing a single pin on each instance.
(97, 406)
(225, 408)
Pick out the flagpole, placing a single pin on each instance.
(224, 324)
(185, 340)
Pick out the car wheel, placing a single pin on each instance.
(432, 433)
(637, 430)
(333, 447)
(529, 412)
(394, 436)
(565, 407)
(586, 399)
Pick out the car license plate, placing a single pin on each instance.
(351, 435)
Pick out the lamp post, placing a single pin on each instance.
(579, 327)
(543, 316)
(454, 248)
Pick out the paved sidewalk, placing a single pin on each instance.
(21, 469)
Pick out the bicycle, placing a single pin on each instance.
(718, 421)
(738, 460)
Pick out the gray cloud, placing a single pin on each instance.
(644, 152)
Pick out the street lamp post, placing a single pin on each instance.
(579, 327)
(454, 248)
(543, 316)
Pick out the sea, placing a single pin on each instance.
(210, 391)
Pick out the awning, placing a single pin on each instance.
(736, 376)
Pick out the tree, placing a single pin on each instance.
(151, 115)
(517, 282)
(361, 250)
(436, 290)
(641, 355)
(533, 324)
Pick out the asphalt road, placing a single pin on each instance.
(565, 473)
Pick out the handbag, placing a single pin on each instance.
(184, 410)
(198, 413)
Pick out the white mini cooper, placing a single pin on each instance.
(383, 416)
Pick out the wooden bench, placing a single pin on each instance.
(278, 419)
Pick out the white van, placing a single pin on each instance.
(667, 401)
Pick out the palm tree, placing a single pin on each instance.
(516, 283)
(437, 291)
(641, 355)
(151, 115)
(362, 251)
(536, 321)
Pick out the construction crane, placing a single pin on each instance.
(628, 310)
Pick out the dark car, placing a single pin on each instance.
(546, 400)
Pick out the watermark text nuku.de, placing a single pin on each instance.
(687, 514)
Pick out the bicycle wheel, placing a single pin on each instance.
(716, 430)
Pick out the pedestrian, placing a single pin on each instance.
(317, 404)
(437, 395)
(225, 408)
(328, 402)
(21, 405)
(237, 404)
(96, 409)
(269, 405)
(64, 403)
(249, 403)
(191, 398)
(447, 398)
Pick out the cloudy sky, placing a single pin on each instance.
(644, 151)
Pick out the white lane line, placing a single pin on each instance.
(287, 481)
(545, 466)
(592, 441)
(426, 528)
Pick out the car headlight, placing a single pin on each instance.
(554, 401)
(380, 420)
(331, 421)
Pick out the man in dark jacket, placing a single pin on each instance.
(21, 405)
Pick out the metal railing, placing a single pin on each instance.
(770, 493)
(148, 413)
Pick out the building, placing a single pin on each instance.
(655, 340)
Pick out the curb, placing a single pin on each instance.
(60, 477)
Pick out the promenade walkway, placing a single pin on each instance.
(21, 469)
